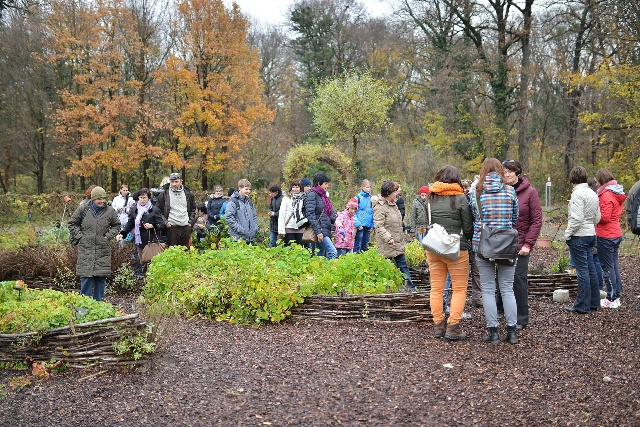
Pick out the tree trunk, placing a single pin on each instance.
(523, 111)
(114, 181)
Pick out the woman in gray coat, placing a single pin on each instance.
(92, 226)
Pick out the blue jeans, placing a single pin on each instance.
(343, 251)
(93, 287)
(361, 243)
(608, 254)
(273, 239)
(596, 262)
(505, 274)
(401, 262)
(580, 249)
(326, 248)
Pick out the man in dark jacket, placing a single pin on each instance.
(178, 206)
(274, 212)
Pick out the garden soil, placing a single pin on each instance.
(568, 369)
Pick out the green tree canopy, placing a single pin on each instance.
(351, 108)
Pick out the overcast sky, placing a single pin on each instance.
(274, 11)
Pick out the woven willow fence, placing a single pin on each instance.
(78, 345)
(406, 307)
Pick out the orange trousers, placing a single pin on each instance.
(459, 271)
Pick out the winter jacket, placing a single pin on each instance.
(286, 218)
(455, 221)
(153, 216)
(400, 205)
(314, 209)
(274, 206)
(121, 201)
(241, 218)
(388, 222)
(418, 218)
(364, 215)
(631, 197)
(611, 198)
(345, 235)
(94, 232)
(529, 214)
(499, 206)
(214, 204)
(164, 203)
(584, 212)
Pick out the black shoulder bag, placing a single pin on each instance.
(497, 244)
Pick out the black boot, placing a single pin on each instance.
(493, 336)
(512, 335)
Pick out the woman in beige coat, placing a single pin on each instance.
(388, 225)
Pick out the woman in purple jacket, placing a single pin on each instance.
(528, 226)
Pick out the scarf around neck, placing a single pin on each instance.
(328, 207)
(136, 230)
(446, 189)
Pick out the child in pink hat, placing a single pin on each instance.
(345, 228)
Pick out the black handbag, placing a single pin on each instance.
(497, 244)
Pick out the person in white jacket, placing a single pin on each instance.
(584, 214)
(122, 203)
(291, 217)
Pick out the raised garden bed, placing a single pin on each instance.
(79, 345)
(393, 307)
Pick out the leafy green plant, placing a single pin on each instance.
(36, 310)
(124, 280)
(414, 252)
(562, 263)
(252, 284)
(136, 345)
(65, 279)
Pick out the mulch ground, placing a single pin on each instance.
(568, 369)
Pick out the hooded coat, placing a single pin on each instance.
(499, 205)
(529, 214)
(611, 199)
(241, 218)
(419, 218)
(388, 223)
(94, 232)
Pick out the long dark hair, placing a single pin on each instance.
(448, 175)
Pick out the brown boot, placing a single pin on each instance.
(454, 332)
(439, 329)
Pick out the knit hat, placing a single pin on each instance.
(98, 193)
(424, 189)
(174, 176)
(231, 191)
(352, 203)
(305, 182)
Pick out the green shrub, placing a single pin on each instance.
(414, 252)
(251, 284)
(36, 310)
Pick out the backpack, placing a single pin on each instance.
(72, 239)
(635, 215)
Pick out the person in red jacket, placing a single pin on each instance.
(529, 225)
(611, 198)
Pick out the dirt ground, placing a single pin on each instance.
(568, 369)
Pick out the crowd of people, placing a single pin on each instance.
(498, 198)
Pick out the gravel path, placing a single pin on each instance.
(210, 373)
